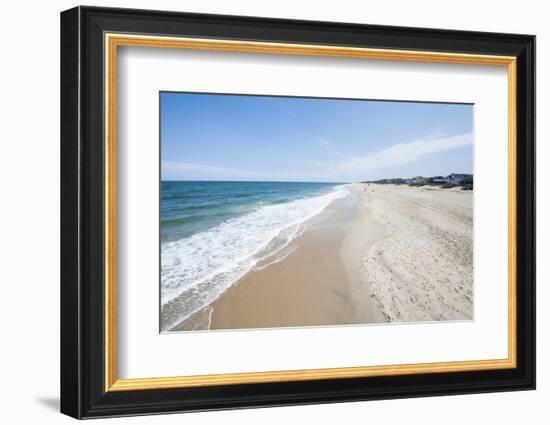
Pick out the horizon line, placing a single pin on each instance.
(254, 181)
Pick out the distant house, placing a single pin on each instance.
(460, 179)
(417, 181)
(396, 181)
(438, 180)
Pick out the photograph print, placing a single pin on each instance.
(281, 212)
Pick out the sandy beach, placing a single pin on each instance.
(385, 253)
(421, 268)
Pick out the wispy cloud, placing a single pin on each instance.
(338, 168)
(170, 168)
(403, 153)
(178, 170)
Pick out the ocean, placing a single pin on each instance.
(213, 233)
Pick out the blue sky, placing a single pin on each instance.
(257, 138)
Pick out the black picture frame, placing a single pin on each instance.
(83, 392)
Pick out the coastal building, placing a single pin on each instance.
(439, 180)
(417, 181)
(460, 179)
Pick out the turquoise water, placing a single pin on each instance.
(188, 207)
(213, 233)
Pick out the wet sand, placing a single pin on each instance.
(314, 285)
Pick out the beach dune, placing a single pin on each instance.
(384, 253)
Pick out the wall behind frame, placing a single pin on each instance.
(29, 217)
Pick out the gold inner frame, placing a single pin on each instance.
(113, 41)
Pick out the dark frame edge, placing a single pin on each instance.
(70, 382)
(526, 204)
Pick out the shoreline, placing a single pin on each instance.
(358, 263)
(311, 286)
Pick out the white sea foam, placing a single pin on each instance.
(196, 270)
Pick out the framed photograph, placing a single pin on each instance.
(261, 212)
